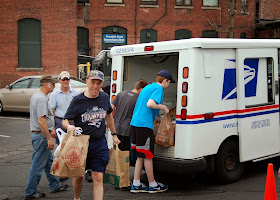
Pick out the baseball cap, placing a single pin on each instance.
(64, 74)
(48, 79)
(95, 74)
(166, 74)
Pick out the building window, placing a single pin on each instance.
(210, 34)
(244, 6)
(183, 34)
(114, 1)
(149, 2)
(82, 42)
(229, 2)
(148, 35)
(82, 1)
(183, 2)
(113, 36)
(211, 3)
(29, 43)
(243, 35)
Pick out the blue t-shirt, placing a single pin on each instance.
(142, 115)
(89, 114)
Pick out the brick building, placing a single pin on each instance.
(45, 37)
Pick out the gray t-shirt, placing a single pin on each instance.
(124, 103)
(38, 108)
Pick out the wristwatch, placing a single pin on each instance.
(113, 134)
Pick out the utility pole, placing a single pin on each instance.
(231, 19)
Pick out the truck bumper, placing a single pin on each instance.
(179, 166)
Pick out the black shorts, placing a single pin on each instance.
(125, 143)
(143, 140)
(98, 155)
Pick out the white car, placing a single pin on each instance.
(16, 96)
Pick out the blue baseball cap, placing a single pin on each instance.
(95, 74)
(166, 74)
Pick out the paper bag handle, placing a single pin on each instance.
(116, 147)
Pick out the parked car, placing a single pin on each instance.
(16, 96)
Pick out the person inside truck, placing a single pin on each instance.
(145, 112)
(124, 104)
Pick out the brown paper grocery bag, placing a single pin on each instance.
(71, 159)
(165, 133)
(117, 170)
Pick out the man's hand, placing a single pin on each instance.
(53, 134)
(116, 140)
(50, 144)
(71, 128)
(165, 109)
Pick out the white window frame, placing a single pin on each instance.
(183, 3)
(210, 3)
(114, 1)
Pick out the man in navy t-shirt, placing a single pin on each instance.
(89, 111)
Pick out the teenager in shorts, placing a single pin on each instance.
(145, 112)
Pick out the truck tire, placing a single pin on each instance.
(227, 165)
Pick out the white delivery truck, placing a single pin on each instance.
(226, 97)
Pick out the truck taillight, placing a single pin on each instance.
(184, 87)
(114, 86)
(113, 97)
(186, 72)
(208, 115)
(149, 48)
(115, 73)
(184, 114)
(184, 101)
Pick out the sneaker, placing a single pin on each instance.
(137, 189)
(60, 189)
(38, 195)
(63, 179)
(159, 188)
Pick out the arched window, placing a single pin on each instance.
(29, 43)
(182, 34)
(148, 35)
(113, 36)
(209, 34)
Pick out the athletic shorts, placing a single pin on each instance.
(125, 143)
(143, 140)
(98, 155)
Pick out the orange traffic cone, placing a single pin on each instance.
(270, 189)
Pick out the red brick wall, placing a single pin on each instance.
(136, 17)
(58, 33)
(59, 21)
(269, 9)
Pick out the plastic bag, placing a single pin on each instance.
(166, 132)
(60, 134)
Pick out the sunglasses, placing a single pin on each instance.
(65, 79)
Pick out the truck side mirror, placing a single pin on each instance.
(8, 87)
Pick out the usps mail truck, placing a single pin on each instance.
(226, 97)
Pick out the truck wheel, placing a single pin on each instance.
(227, 166)
(1, 108)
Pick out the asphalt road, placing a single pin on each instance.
(15, 158)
